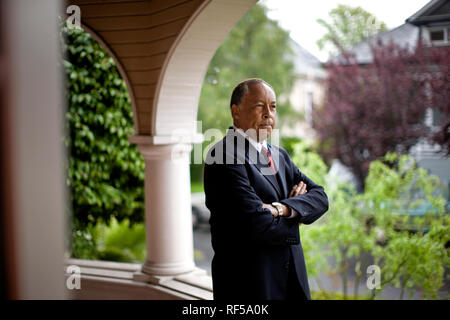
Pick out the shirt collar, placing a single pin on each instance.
(258, 145)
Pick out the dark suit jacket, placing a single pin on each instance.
(252, 248)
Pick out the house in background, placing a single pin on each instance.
(307, 92)
(431, 24)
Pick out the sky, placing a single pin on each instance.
(299, 16)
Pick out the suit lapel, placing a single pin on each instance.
(262, 166)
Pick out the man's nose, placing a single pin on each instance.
(267, 111)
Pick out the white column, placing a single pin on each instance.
(35, 220)
(168, 217)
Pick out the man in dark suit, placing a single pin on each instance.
(257, 198)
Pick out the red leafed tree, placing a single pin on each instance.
(378, 107)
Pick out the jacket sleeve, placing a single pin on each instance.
(311, 205)
(228, 191)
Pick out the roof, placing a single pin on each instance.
(405, 35)
(305, 63)
(433, 11)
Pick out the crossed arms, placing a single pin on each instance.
(228, 189)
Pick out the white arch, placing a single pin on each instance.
(178, 90)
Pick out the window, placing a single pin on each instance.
(439, 35)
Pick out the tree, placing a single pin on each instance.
(348, 26)
(105, 172)
(378, 225)
(414, 252)
(376, 108)
(311, 164)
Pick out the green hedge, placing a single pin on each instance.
(105, 172)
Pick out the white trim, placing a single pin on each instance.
(181, 79)
(116, 280)
(445, 29)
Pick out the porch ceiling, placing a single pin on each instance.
(139, 35)
(162, 49)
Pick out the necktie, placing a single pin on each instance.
(268, 156)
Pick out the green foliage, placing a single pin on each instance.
(105, 172)
(113, 241)
(313, 243)
(348, 26)
(311, 163)
(327, 295)
(120, 241)
(82, 242)
(402, 185)
(197, 187)
(410, 249)
(304, 157)
(414, 260)
(414, 252)
(288, 144)
(341, 234)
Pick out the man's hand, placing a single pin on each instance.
(298, 189)
(272, 209)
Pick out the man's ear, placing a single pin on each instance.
(235, 111)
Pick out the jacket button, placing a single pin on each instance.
(286, 265)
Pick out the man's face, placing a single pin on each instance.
(256, 111)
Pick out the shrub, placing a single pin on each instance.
(409, 249)
(105, 172)
(112, 241)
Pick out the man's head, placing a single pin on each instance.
(253, 106)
